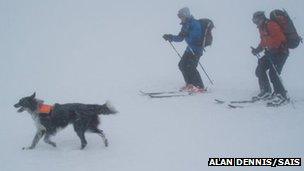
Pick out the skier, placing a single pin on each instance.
(274, 44)
(192, 33)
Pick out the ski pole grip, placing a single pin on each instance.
(257, 55)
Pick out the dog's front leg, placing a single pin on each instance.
(36, 139)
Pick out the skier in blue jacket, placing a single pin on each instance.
(192, 33)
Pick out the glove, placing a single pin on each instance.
(256, 51)
(168, 37)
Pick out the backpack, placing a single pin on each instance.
(207, 26)
(282, 18)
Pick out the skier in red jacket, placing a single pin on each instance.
(273, 43)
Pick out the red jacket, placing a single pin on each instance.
(272, 36)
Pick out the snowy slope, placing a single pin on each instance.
(93, 51)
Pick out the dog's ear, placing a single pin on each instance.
(33, 95)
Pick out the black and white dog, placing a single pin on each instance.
(50, 118)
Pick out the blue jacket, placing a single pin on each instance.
(193, 34)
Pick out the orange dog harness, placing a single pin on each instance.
(44, 108)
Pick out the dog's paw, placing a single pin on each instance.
(106, 142)
(53, 144)
(27, 148)
(83, 146)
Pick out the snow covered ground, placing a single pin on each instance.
(93, 51)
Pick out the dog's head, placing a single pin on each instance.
(27, 103)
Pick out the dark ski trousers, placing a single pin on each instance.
(187, 66)
(264, 64)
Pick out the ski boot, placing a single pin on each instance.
(195, 89)
(186, 87)
(262, 96)
(278, 100)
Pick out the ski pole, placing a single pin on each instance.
(198, 62)
(281, 80)
(175, 50)
(276, 71)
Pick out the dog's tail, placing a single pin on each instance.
(107, 109)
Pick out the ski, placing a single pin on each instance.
(235, 106)
(159, 92)
(278, 104)
(165, 94)
(229, 105)
(245, 101)
(168, 96)
(219, 101)
(236, 101)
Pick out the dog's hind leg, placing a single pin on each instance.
(100, 132)
(48, 141)
(36, 139)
